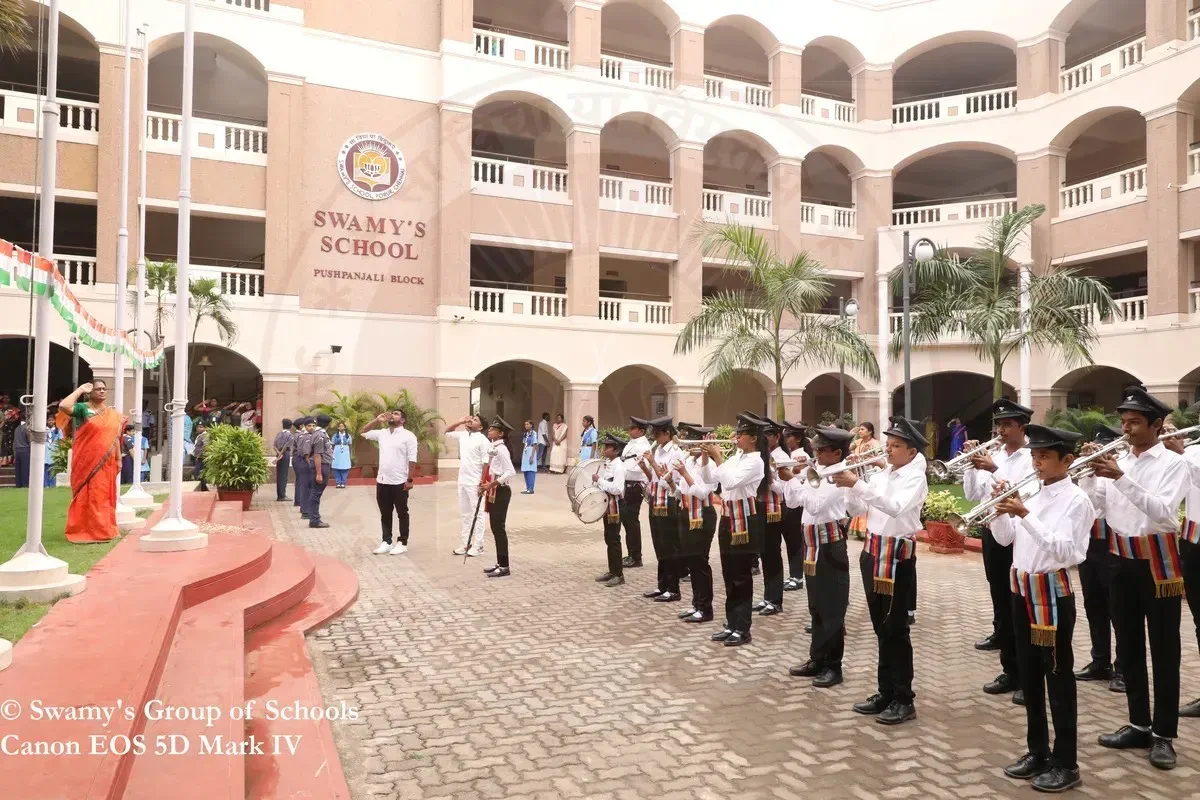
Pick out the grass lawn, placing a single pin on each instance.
(955, 489)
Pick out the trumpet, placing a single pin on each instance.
(985, 513)
(1191, 433)
(1082, 467)
(815, 476)
(943, 470)
(727, 445)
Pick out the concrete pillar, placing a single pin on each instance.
(1166, 21)
(785, 75)
(866, 407)
(454, 205)
(108, 159)
(873, 91)
(1173, 394)
(793, 407)
(583, 263)
(105, 372)
(686, 403)
(285, 173)
(1046, 399)
(583, 32)
(580, 399)
(786, 206)
(452, 398)
(687, 57)
(1168, 260)
(458, 23)
(873, 209)
(1039, 179)
(1039, 64)
(687, 275)
(280, 400)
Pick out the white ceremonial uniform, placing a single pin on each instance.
(827, 503)
(667, 457)
(634, 449)
(891, 499)
(499, 463)
(740, 476)
(1146, 498)
(612, 477)
(1191, 456)
(473, 449)
(704, 479)
(1054, 534)
(978, 483)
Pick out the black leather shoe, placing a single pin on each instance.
(792, 584)
(667, 597)
(687, 612)
(605, 578)
(808, 628)
(698, 616)
(305, 516)
(759, 606)
(318, 524)
(912, 618)
(988, 643)
(1057, 779)
(1126, 737)
(770, 610)
(809, 669)
(896, 713)
(1027, 767)
(1162, 753)
(1117, 684)
(1003, 684)
(737, 638)
(631, 562)
(1019, 697)
(492, 568)
(829, 677)
(499, 572)
(282, 499)
(1192, 709)
(874, 704)
(722, 635)
(1095, 672)
(652, 593)
(616, 580)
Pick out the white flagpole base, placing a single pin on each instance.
(137, 497)
(37, 578)
(172, 535)
(5, 654)
(125, 514)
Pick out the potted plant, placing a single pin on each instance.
(420, 421)
(235, 462)
(940, 507)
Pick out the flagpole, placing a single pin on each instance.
(136, 496)
(126, 518)
(32, 574)
(174, 532)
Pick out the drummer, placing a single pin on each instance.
(611, 480)
(697, 521)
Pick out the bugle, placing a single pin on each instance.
(943, 470)
(985, 513)
(1082, 468)
(1190, 433)
(815, 475)
(727, 445)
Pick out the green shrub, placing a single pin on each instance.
(62, 452)
(940, 506)
(620, 433)
(235, 459)
(723, 432)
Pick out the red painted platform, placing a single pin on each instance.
(216, 627)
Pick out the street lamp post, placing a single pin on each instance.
(846, 308)
(924, 250)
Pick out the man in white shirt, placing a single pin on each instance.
(635, 490)
(611, 481)
(664, 533)
(695, 481)
(472, 455)
(543, 431)
(1010, 463)
(1139, 495)
(497, 494)
(1189, 544)
(397, 450)
(892, 501)
(1049, 534)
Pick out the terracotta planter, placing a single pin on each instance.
(943, 538)
(240, 495)
(414, 470)
(355, 472)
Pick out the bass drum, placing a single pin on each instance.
(591, 505)
(580, 477)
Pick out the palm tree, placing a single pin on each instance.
(208, 303)
(1081, 420)
(772, 325)
(14, 26)
(979, 299)
(355, 409)
(419, 420)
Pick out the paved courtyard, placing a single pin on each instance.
(548, 685)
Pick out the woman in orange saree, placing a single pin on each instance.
(95, 462)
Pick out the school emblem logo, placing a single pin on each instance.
(371, 166)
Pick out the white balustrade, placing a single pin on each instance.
(263, 6)
(955, 211)
(629, 70)
(1104, 66)
(1132, 309)
(634, 312)
(217, 140)
(970, 104)
(1107, 191)
(737, 91)
(924, 215)
(1194, 296)
(518, 302)
(79, 120)
(522, 49)
(1194, 163)
(714, 87)
(1193, 26)
(1133, 180)
(746, 209)
(495, 176)
(231, 281)
(78, 270)
(636, 195)
(917, 111)
(827, 108)
(1128, 310)
(826, 219)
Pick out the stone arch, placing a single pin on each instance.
(231, 376)
(1072, 130)
(540, 102)
(826, 65)
(637, 143)
(820, 396)
(738, 159)
(944, 394)
(840, 47)
(825, 175)
(230, 82)
(1102, 141)
(739, 47)
(946, 147)
(632, 390)
(519, 389)
(1097, 385)
(661, 10)
(13, 353)
(520, 125)
(749, 26)
(955, 37)
(954, 170)
(749, 390)
(78, 57)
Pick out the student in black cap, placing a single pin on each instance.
(1049, 534)
(300, 455)
(635, 491)
(1139, 495)
(796, 444)
(743, 478)
(1189, 543)
(1012, 463)
(696, 483)
(611, 481)
(892, 500)
(498, 470)
(320, 467)
(285, 440)
(659, 464)
(774, 507)
(1095, 579)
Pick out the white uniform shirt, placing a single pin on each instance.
(472, 454)
(500, 462)
(891, 499)
(612, 477)
(543, 430)
(826, 503)
(634, 450)
(667, 456)
(978, 483)
(704, 479)
(1191, 457)
(1054, 534)
(397, 449)
(740, 476)
(777, 484)
(1146, 498)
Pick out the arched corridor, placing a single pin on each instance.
(943, 396)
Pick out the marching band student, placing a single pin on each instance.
(827, 564)
(663, 527)
(796, 443)
(635, 491)
(1095, 578)
(1139, 495)
(695, 484)
(1010, 463)
(614, 484)
(1189, 545)
(1049, 534)
(892, 500)
(497, 493)
(774, 509)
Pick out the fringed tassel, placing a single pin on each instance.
(1171, 588)
(660, 511)
(1042, 635)
(695, 524)
(885, 586)
(774, 516)
(742, 537)
(810, 567)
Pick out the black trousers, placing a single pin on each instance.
(695, 547)
(828, 599)
(664, 535)
(889, 618)
(793, 538)
(1048, 670)
(1189, 554)
(912, 593)
(198, 474)
(997, 561)
(1135, 609)
(21, 463)
(1095, 578)
(612, 540)
(316, 488)
(497, 519)
(631, 512)
(282, 465)
(736, 563)
(301, 468)
(392, 497)
(772, 564)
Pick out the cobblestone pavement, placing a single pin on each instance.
(548, 685)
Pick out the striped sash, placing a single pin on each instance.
(1100, 530)
(659, 504)
(888, 552)
(1041, 591)
(1190, 532)
(817, 535)
(1162, 551)
(858, 526)
(773, 503)
(613, 514)
(484, 480)
(740, 513)
(695, 509)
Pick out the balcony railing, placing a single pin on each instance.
(1104, 66)
(737, 90)
(1107, 191)
(78, 270)
(262, 6)
(522, 48)
(221, 141)
(970, 104)
(821, 218)
(630, 70)
(636, 195)
(78, 120)
(1194, 162)
(1129, 309)
(828, 108)
(233, 279)
(635, 312)
(494, 175)
(1194, 300)
(967, 210)
(1193, 26)
(747, 209)
(518, 302)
